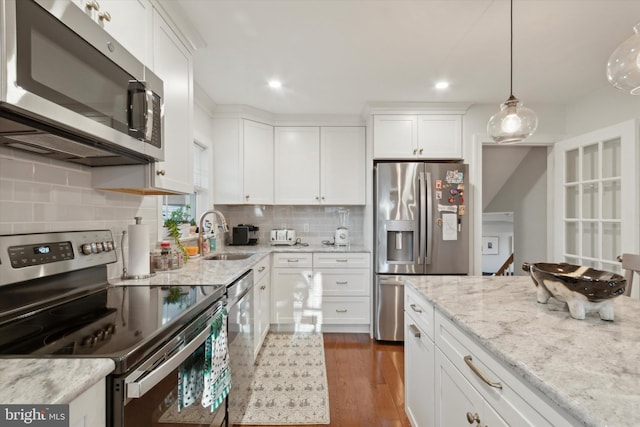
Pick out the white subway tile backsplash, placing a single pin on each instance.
(41, 195)
(50, 174)
(16, 169)
(16, 212)
(321, 220)
(6, 189)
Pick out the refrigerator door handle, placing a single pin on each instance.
(421, 219)
(429, 213)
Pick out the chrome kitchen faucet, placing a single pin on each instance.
(223, 226)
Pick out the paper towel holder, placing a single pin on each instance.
(125, 275)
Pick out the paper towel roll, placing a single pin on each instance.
(138, 250)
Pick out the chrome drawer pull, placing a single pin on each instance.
(468, 361)
(293, 260)
(342, 283)
(416, 308)
(414, 330)
(342, 260)
(261, 269)
(341, 311)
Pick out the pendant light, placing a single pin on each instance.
(623, 68)
(513, 122)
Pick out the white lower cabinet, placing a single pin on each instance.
(88, 409)
(419, 394)
(457, 402)
(311, 290)
(457, 382)
(294, 298)
(262, 303)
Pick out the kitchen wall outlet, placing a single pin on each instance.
(306, 228)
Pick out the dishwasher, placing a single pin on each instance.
(240, 335)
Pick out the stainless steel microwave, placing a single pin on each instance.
(70, 91)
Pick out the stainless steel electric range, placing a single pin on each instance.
(56, 301)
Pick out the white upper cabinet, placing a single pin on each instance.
(243, 162)
(172, 62)
(342, 166)
(258, 163)
(127, 21)
(320, 165)
(422, 136)
(297, 165)
(439, 136)
(395, 136)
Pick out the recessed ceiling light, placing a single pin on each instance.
(442, 85)
(275, 84)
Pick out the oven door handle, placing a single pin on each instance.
(138, 388)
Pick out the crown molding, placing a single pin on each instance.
(415, 108)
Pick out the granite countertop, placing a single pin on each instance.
(208, 272)
(49, 381)
(590, 367)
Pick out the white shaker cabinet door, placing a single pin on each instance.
(172, 62)
(297, 166)
(295, 301)
(258, 163)
(419, 374)
(395, 136)
(128, 21)
(342, 166)
(439, 136)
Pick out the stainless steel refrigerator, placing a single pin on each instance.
(421, 227)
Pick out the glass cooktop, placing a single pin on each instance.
(119, 322)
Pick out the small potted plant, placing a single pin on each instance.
(175, 227)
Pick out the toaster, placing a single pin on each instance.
(283, 236)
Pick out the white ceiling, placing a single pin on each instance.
(334, 56)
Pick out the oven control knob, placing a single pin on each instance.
(106, 247)
(86, 249)
(109, 330)
(98, 246)
(89, 341)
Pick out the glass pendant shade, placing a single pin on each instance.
(512, 123)
(623, 68)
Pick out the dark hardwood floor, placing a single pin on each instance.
(366, 382)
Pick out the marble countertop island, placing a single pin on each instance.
(590, 367)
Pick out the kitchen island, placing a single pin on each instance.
(589, 368)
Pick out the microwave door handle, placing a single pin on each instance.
(421, 219)
(148, 115)
(134, 89)
(138, 388)
(429, 213)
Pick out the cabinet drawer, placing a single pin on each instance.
(344, 281)
(342, 260)
(351, 310)
(419, 309)
(511, 398)
(293, 260)
(261, 268)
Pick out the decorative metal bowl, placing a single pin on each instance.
(584, 289)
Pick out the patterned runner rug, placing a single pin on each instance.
(290, 382)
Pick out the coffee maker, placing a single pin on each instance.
(341, 237)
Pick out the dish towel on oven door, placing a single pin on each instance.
(206, 373)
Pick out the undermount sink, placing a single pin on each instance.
(227, 257)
